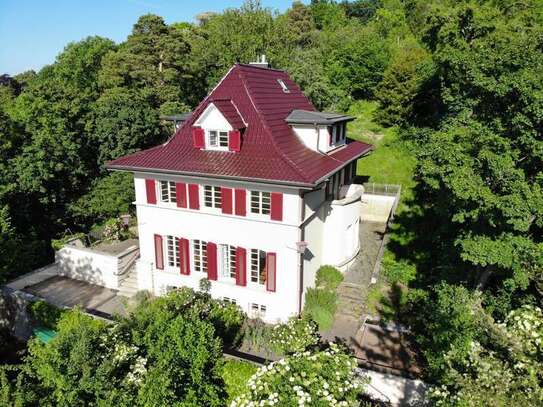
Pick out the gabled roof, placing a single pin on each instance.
(312, 117)
(270, 150)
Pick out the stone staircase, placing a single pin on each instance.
(128, 287)
(128, 281)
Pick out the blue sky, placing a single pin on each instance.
(33, 32)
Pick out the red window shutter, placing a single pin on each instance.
(211, 253)
(194, 199)
(234, 140)
(276, 206)
(240, 202)
(241, 266)
(198, 137)
(159, 256)
(184, 259)
(181, 194)
(150, 190)
(270, 271)
(226, 200)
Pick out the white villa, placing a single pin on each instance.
(253, 192)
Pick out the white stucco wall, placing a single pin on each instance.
(316, 138)
(341, 231)
(89, 266)
(250, 232)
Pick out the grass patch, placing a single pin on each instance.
(392, 161)
(235, 374)
(328, 277)
(320, 306)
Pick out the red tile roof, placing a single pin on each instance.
(270, 150)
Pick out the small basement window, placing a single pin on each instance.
(283, 86)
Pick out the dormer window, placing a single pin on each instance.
(283, 86)
(217, 139)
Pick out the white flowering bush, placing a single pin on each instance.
(297, 335)
(320, 378)
(113, 229)
(511, 373)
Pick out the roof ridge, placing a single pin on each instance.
(287, 160)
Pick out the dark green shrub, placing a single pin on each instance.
(44, 314)
(398, 271)
(329, 277)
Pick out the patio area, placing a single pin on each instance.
(47, 284)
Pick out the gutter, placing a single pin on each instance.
(291, 184)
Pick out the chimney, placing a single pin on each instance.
(262, 63)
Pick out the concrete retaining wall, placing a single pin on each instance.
(87, 265)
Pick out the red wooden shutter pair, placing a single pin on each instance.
(271, 260)
(194, 199)
(150, 191)
(181, 194)
(211, 253)
(234, 140)
(241, 266)
(184, 256)
(226, 200)
(277, 206)
(198, 137)
(159, 255)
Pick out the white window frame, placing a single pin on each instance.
(283, 85)
(257, 310)
(173, 259)
(199, 250)
(227, 263)
(230, 300)
(257, 275)
(221, 141)
(212, 196)
(260, 202)
(167, 191)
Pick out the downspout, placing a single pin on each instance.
(301, 235)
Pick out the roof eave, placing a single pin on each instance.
(302, 185)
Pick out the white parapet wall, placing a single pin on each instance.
(84, 264)
(377, 208)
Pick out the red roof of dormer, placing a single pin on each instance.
(230, 112)
(270, 150)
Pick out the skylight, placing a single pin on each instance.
(283, 86)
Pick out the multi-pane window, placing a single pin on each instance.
(172, 251)
(260, 202)
(228, 261)
(212, 196)
(229, 300)
(218, 138)
(200, 256)
(258, 266)
(258, 310)
(167, 191)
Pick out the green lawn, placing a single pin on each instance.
(391, 162)
(235, 375)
